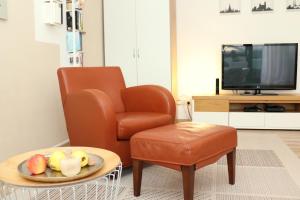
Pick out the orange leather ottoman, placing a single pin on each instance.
(185, 147)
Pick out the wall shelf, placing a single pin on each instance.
(53, 12)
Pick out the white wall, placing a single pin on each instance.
(31, 114)
(93, 44)
(49, 33)
(202, 30)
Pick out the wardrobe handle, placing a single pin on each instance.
(138, 53)
(134, 53)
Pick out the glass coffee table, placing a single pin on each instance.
(104, 184)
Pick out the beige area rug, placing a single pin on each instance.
(266, 170)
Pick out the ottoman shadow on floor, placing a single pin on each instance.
(185, 147)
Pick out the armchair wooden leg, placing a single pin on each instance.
(231, 162)
(137, 176)
(188, 177)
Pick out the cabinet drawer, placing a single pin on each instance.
(211, 105)
(247, 120)
(219, 118)
(282, 120)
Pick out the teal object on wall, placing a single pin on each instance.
(78, 42)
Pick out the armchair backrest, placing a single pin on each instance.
(107, 79)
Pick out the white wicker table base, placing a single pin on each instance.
(102, 188)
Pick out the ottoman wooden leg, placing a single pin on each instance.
(188, 177)
(231, 157)
(137, 176)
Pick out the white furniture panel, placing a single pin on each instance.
(120, 37)
(282, 120)
(235, 104)
(219, 118)
(153, 42)
(138, 39)
(247, 120)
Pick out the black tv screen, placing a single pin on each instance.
(259, 67)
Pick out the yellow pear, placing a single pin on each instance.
(82, 155)
(55, 159)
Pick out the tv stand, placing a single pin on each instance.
(267, 94)
(229, 110)
(259, 93)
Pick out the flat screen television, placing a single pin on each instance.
(259, 67)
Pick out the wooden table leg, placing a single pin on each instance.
(188, 177)
(137, 176)
(231, 162)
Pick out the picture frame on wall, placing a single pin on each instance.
(3, 9)
(262, 5)
(293, 5)
(230, 6)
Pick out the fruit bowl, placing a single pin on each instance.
(51, 176)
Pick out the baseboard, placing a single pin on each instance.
(63, 143)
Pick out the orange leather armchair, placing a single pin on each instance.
(101, 112)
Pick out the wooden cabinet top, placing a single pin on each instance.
(236, 97)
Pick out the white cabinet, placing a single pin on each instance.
(247, 120)
(219, 118)
(228, 109)
(250, 120)
(138, 39)
(282, 120)
(120, 37)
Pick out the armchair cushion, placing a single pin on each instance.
(132, 122)
(149, 98)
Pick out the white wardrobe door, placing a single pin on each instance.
(120, 37)
(153, 41)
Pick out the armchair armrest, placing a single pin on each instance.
(90, 119)
(149, 98)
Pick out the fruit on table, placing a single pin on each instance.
(82, 155)
(92, 161)
(70, 166)
(55, 159)
(37, 164)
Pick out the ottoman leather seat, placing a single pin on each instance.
(183, 144)
(184, 147)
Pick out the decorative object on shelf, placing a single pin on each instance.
(293, 4)
(217, 86)
(262, 5)
(70, 42)
(78, 20)
(78, 4)
(74, 27)
(78, 59)
(81, 3)
(3, 9)
(53, 12)
(230, 6)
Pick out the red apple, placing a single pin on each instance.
(37, 164)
